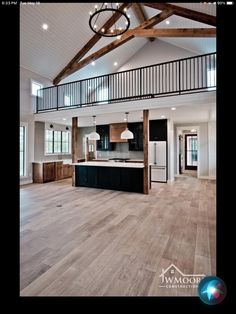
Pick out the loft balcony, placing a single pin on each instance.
(182, 76)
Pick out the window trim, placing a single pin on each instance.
(57, 153)
(25, 125)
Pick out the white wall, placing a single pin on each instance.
(212, 148)
(203, 160)
(171, 150)
(156, 52)
(39, 136)
(206, 148)
(27, 103)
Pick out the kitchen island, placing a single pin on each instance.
(110, 175)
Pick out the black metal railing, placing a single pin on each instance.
(188, 75)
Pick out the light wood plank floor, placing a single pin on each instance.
(78, 241)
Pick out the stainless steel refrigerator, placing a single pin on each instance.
(157, 155)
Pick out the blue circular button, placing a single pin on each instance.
(212, 290)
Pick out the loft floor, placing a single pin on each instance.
(78, 241)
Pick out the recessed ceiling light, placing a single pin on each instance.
(173, 108)
(45, 26)
(118, 37)
(93, 63)
(167, 22)
(64, 119)
(115, 63)
(163, 116)
(193, 130)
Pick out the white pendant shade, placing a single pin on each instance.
(94, 136)
(126, 134)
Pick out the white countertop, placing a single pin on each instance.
(65, 161)
(135, 160)
(110, 164)
(128, 160)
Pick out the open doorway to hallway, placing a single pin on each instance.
(188, 152)
(190, 155)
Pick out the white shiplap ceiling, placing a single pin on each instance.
(48, 52)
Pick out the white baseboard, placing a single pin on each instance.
(207, 177)
(25, 181)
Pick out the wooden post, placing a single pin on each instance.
(74, 146)
(145, 151)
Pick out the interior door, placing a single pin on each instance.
(191, 152)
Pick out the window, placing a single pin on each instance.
(48, 141)
(57, 142)
(22, 151)
(211, 79)
(35, 86)
(66, 100)
(191, 152)
(66, 142)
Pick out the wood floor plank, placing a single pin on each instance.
(77, 241)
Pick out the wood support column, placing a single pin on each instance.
(145, 151)
(74, 144)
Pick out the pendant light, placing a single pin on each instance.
(127, 134)
(94, 136)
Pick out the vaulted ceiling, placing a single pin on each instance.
(47, 53)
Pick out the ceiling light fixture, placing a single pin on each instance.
(163, 116)
(107, 10)
(173, 108)
(115, 63)
(45, 26)
(94, 136)
(167, 22)
(126, 134)
(93, 63)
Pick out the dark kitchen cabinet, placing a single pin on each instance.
(158, 130)
(82, 176)
(112, 178)
(104, 142)
(92, 177)
(136, 143)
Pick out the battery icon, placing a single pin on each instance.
(229, 2)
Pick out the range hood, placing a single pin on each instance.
(115, 132)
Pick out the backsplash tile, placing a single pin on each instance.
(121, 151)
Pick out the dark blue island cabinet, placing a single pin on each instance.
(112, 178)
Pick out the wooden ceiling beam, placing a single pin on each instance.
(175, 32)
(187, 13)
(124, 38)
(115, 17)
(141, 15)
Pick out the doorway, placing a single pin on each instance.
(191, 151)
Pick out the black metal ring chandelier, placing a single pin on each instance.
(111, 32)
